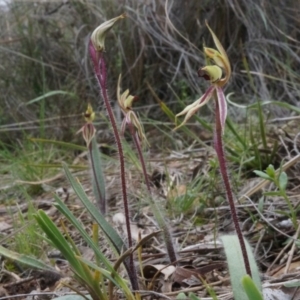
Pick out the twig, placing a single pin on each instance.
(291, 252)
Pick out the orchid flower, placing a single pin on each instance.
(125, 101)
(218, 74)
(88, 130)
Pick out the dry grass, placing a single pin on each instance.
(43, 48)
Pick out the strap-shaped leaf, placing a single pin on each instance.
(25, 259)
(108, 230)
(118, 281)
(251, 289)
(61, 244)
(236, 266)
(67, 213)
(98, 176)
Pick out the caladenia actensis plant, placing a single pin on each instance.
(137, 132)
(96, 49)
(218, 74)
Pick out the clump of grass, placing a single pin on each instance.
(25, 241)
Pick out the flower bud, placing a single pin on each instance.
(88, 132)
(99, 34)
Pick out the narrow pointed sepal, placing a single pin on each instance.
(191, 109)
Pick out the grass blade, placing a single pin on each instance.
(98, 176)
(67, 213)
(26, 260)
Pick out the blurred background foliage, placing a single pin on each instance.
(46, 78)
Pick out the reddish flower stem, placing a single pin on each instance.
(162, 224)
(101, 75)
(218, 140)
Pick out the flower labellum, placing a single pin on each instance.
(211, 73)
(89, 114)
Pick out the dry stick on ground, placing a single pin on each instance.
(291, 252)
(281, 253)
(268, 222)
(257, 188)
(276, 229)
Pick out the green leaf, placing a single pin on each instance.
(292, 283)
(271, 171)
(239, 138)
(263, 175)
(61, 244)
(67, 213)
(98, 176)
(261, 202)
(283, 180)
(181, 296)
(276, 193)
(26, 260)
(236, 265)
(108, 230)
(50, 94)
(167, 110)
(117, 279)
(192, 296)
(251, 289)
(272, 102)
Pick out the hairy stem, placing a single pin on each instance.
(157, 213)
(223, 169)
(101, 75)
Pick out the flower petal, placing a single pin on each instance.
(223, 56)
(139, 127)
(125, 100)
(215, 56)
(222, 107)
